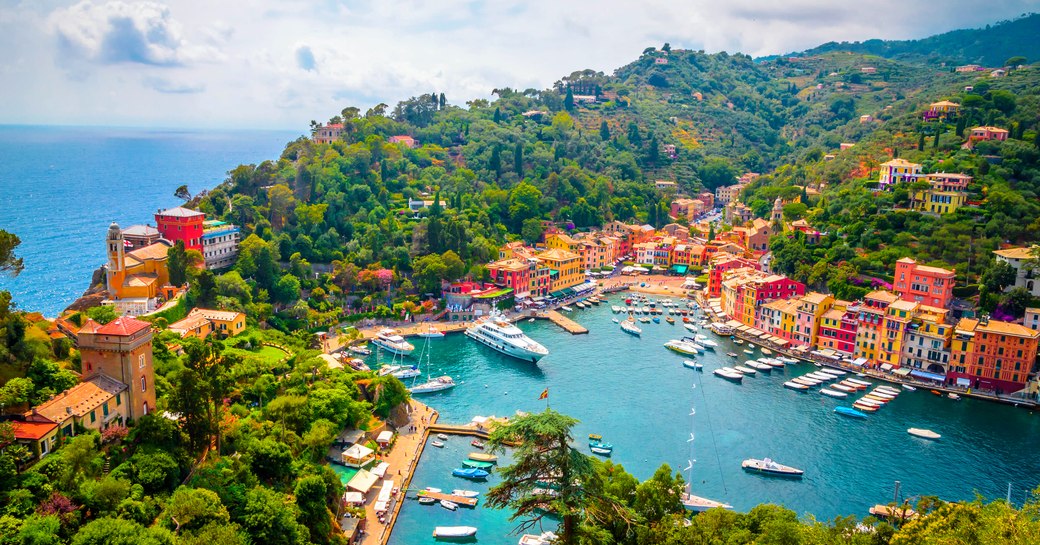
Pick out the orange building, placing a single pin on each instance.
(932, 286)
(121, 350)
(992, 355)
(135, 280)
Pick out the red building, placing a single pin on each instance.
(720, 265)
(992, 355)
(181, 224)
(932, 286)
(838, 328)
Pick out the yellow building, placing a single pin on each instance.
(135, 279)
(565, 268)
(897, 322)
(562, 241)
(200, 322)
(947, 193)
(871, 320)
(814, 304)
(93, 405)
(898, 171)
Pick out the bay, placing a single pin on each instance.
(60, 188)
(638, 395)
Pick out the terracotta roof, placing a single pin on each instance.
(967, 325)
(904, 305)
(1016, 253)
(990, 129)
(90, 326)
(934, 270)
(192, 322)
(558, 255)
(152, 251)
(834, 314)
(180, 212)
(945, 103)
(882, 295)
(32, 431)
(900, 162)
(1007, 328)
(80, 399)
(220, 315)
(123, 326)
(815, 297)
(140, 280)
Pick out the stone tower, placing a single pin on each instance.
(122, 350)
(776, 217)
(115, 269)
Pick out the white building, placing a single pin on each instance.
(1026, 263)
(219, 244)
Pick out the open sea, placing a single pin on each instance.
(638, 395)
(60, 188)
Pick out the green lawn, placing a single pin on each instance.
(268, 354)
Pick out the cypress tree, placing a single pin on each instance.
(442, 101)
(920, 143)
(604, 131)
(961, 122)
(938, 131)
(495, 165)
(518, 159)
(498, 115)
(568, 101)
(711, 232)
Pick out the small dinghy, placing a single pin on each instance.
(448, 532)
(426, 500)
(833, 393)
(465, 493)
(847, 411)
(923, 433)
(909, 388)
(437, 444)
(449, 505)
(795, 385)
(690, 364)
(442, 437)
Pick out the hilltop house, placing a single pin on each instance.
(327, 134)
(898, 171)
(1026, 262)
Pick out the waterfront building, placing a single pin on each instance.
(219, 244)
(139, 236)
(181, 224)
(745, 290)
(1026, 262)
(898, 171)
(898, 317)
(135, 280)
(812, 307)
(947, 193)
(527, 277)
(870, 320)
(992, 355)
(565, 268)
(122, 351)
(931, 286)
(200, 322)
(721, 263)
(326, 134)
(779, 318)
(838, 327)
(656, 252)
(926, 349)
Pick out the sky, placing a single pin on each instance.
(277, 64)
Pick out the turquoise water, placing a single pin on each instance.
(60, 188)
(638, 396)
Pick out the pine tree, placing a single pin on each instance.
(518, 160)
(442, 101)
(604, 131)
(568, 101)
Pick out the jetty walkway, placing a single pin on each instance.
(568, 325)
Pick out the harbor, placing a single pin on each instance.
(638, 395)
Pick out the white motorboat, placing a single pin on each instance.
(909, 388)
(769, 467)
(497, 333)
(615, 309)
(749, 351)
(437, 444)
(759, 366)
(953, 396)
(615, 320)
(697, 504)
(389, 340)
(433, 385)
(566, 309)
(629, 326)
(465, 493)
(923, 433)
(454, 531)
(744, 370)
(843, 388)
(767, 351)
(545, 538)
(432, 489)
(690, 327)
(432, 333)
(728, 373)
(442, 437)
(360, 350)
(449, 505)
(405, 371)
(785, 359)
(690, 364)
(682, 347)
(833, 393)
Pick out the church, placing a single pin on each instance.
(137, 281)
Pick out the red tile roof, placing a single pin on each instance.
(32, 431)
(123, 326)
(90, 326)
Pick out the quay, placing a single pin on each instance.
(568, 325)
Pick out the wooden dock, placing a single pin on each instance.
(461, 500)
(568, 325)
(451, 429)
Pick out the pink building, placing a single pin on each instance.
(404, 139)
(807, 322)
(932, 286)
(722, 263)
(988, 133)
(838, 329)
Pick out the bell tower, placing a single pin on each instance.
(776, 217)
(115, 268)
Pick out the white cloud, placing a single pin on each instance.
(279, 63)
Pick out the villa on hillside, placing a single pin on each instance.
(898, 171)
(947, 193)
(979, 134)
(327, 134)
(408, 141)
(941, 110)
(1026, 262)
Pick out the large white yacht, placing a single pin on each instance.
(392, 342)
(496, 332)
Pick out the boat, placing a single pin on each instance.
(497, 333)
(656, 320)
(360, 350)
(923, 433)
(806, 381)
(449, 505)
(358, 364)
(953, 396)
(601, 445)
(482, 457)
(738, 341)
(645, 320)
(767, 351)
(670, 320)
(477, 443)
(909, 388)
(432, 489)
(729, 374)
(629, 326)
(708, 343)
(859, 382)
(465, 493)
(545, 538)
(615, 320)
(615, 309)
(749, 351)
(887, 512)
(438, 444)
(731, 354)
(833, 393)
(601, 451)
(442, 437)
(865, 408)
(744, 370)
(690, 327)
(696, 504)
(389, 340)
(767, 466)
(406, 373)
(477, 464)
(470, 473)
(877, 392)
(721, 329)
(936, 392)
(843, 388)
(848, 411)
(454, 531)
(795, 385)
(595, 436)
(580, 305)
(433, 385)
(432, 333)
(787, 360)
(566, 308)
(681, 347)
(426, 500)
(835, 372)
(690, 364)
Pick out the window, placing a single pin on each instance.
(140, 361)
(119, 400)
(93, 416)
(104, 409)
(144, 386)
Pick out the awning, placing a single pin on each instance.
(386, 491)
(901, 372)
(557, 294)
(384, 436)
(781, 342)
(927, 375)
(363, 481)
(680, 269)
(886, 366)
(380, 470)
(859, 362)
(353, 497)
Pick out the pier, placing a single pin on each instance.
(568, 325)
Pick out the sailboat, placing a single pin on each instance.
(432, 384)
(693, 503)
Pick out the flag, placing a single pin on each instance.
(545, 394)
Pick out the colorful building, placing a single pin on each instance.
(121, 350)
(521, 275)
(721, 264)
(943, 109)
(181, 224)
(41, 438)
(870, 321)
(219, 244)
(745, 290)
(565, 269)
(897, 321)
(779, 318)
(947, 193)
(93, 404)
(992, 355)
(327, 134)
(812, 307)
(136, 281)
(932, 286)
(838, 328)
(926, 348)
(200, 322)
(979, 134)
(898, 171)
